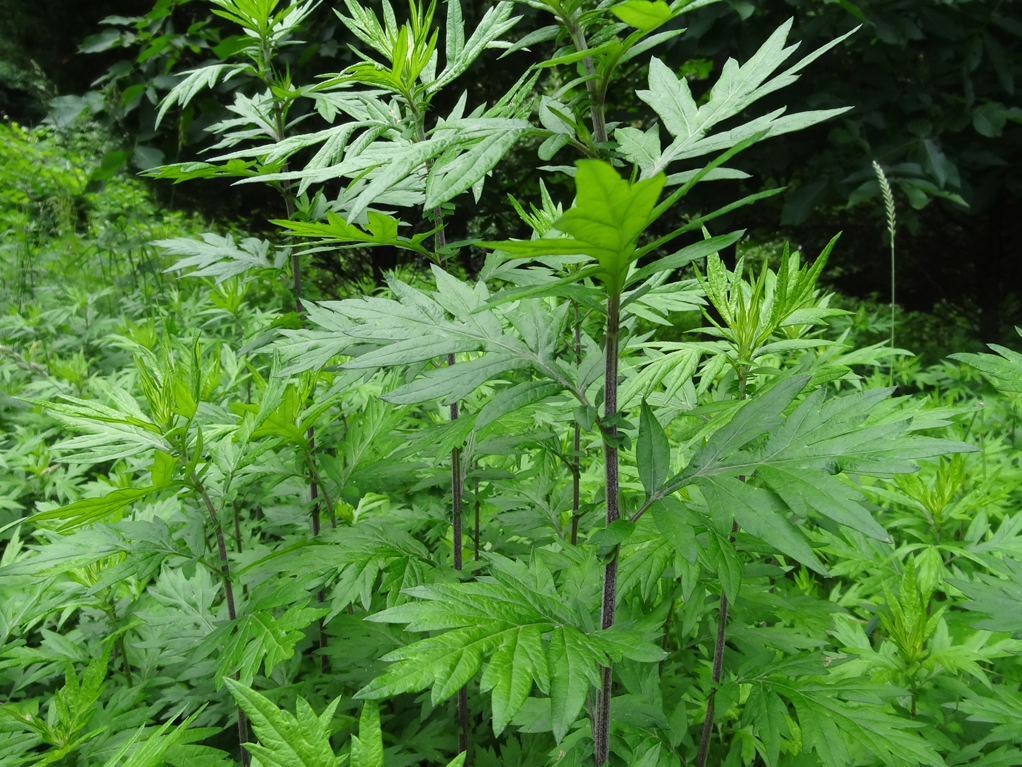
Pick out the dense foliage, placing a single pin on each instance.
(932, 86)
(513, 519)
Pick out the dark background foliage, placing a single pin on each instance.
(932, 85)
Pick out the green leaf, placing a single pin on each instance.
(259, 639)
(153, 751)
(510, 673)
(1005, 371)
(826, 495)
(737, 88)
(765, 710)
(219, 257)
(725, 561)
(571, 58)
(107, 433)
(109, 164)
(609, 215)
(416, 328)
(367, 748)
(625, 642)
(999, 598)
(640, 147)
(572, 670)
(302, 740)
(565, 286)
(853, 9)
(281, 420)
(357, 554)
(652, 451)
(197, 80)
(759, 513)
(609, 539)
(673, 370)
(685, 256)
(501, 621)
(643, 559)
(824, 715)
(418, 349)
(90, 510)
(514, 398)
(668, 516)
(605, 223)
(146, 546)
(540, 35)
(455, 37)
(448, 181)
(103, 41)
(817, 436)
(495, 23)
(380, 230)
(832, 434)
(989, 119)
(756, 417)
(671, 98)
(75, 701)
(65, 110)
(455, 382)
(643, 14)
(392, 163)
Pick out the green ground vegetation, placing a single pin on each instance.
(611, 500)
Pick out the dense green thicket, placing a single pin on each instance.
(517, 518)
(932, 86)
(69, 223)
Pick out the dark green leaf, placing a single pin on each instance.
(652, 451)
(725, 561)
(806, 489)
(669, 518)
(514, 397)
(759, 513)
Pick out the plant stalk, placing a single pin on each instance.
(110, 609)
(456, 496)
(124, 659)
(315, 482)
(475, 498)
(456, 493)
(718, 645)
(576, 467)
(237, 528)
(578, 38)
(232, 613)
(601, 728)
(718, 661)
(667, 626)
(456, 480)
(440, 242)
(324, 663)
(317, 486)
(463, 721)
